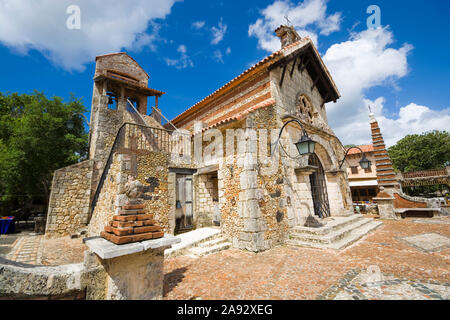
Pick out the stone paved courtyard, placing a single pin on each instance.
(407, 259)
(397, 270)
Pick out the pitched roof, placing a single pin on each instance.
(119, 53)
(364, 148)
(277, 55)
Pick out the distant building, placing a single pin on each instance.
(363, 182)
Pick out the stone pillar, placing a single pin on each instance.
(133, 271)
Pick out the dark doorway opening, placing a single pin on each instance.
(183, 205)
(319, 188)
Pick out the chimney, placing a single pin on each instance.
(287, 35)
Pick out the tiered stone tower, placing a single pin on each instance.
(385, 172)
(390, 199)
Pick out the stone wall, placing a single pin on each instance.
(68, 282)
(153, 173)
(105, 206)
(151, 169)
(122, 64)
(69, 199)
(287, 95)
(206, 189)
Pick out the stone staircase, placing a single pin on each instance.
(337, 233)
(218, 243)
(199, 242)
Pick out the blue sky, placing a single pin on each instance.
(191, 48)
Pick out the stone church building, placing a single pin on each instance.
(216, 164)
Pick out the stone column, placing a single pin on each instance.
(133, 271)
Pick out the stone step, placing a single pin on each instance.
(338, 223)
(190, 240)
(203, 251)
(212, 242)
(334, 236)
(351, 238)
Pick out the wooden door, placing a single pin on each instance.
(184, 215)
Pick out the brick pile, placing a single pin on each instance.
(132, 224)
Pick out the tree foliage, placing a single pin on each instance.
(37, 136)
(429, 150)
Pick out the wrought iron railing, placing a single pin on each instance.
(425, 173)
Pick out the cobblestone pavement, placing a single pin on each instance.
(373, 285)
(403, 270)
(27, 247)
(406, 259)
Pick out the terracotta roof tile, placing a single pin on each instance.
(303, 41)
(242, 114)
(364, 148)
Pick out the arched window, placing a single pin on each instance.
(112, 100)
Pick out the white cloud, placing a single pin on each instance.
(308, 17)
(218, 56)
(228, 51)
(411, 119)
(219, 32)
(182, 48)
(198, 25)
(183, 61)
(105, 27)
(365, 61)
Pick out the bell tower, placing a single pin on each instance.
(120, 95)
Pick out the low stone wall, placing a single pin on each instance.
(109, 272)
(29, 282)
(69, 199)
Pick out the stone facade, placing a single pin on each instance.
(70, 199)
(257, 195)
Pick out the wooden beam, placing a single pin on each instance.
(282, 76)
(293, 67)
(316, 67)
(324, 99)
(288, 58)
(308, 60)
(315, 82)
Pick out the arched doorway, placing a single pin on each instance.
(319, 188)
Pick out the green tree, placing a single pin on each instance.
(37, 136)
(429, 150)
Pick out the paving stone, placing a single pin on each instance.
(307, 273)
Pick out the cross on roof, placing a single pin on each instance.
(287, 20)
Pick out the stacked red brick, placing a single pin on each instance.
(132, 224)
(385, 171)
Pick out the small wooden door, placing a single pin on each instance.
(184, 208)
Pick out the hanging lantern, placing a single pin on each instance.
(305, 145)
(365, 163)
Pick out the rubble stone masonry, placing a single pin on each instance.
(69, 200)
